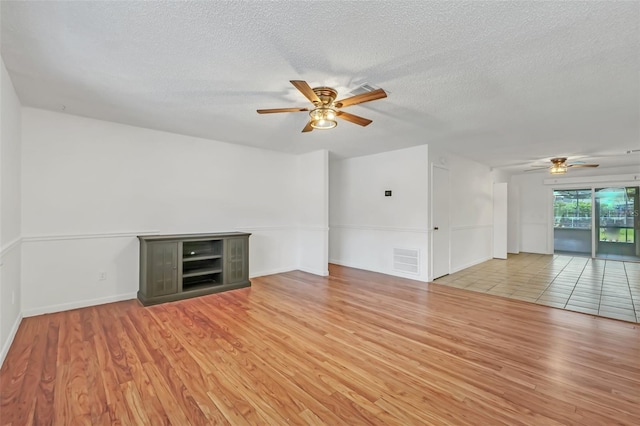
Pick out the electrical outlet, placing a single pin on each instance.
(102, 276)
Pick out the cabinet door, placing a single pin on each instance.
(162, 268)
(237, 259)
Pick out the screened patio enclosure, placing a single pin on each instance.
(598, 222)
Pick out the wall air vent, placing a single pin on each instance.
(363, 88)
(406, 260)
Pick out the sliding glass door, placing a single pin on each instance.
(598, 222)
(572, 221)
(617, 223)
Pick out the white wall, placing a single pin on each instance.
(89, 186)
(513, 219)
(513, 210)
(500, 220)
(535, 212)
(313, 212)
(10, 241)
(365, 226)
(471, 210)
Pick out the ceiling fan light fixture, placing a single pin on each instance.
(323, 118)
(325, 107)
(558, 169)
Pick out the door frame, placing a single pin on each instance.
(431, 224)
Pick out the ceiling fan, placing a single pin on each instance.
(325, 107)
(559, 166)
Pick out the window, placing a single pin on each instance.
(572, 208)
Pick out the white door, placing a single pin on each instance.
(440, 239)
(500, 220)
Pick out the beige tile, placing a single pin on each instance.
(457, 285)
(555, 293)
(594, 304)
(586, 293)
(477, 286)
(524, 298)
(585, 299)
(610, 299)
(552, 298)
(630, 318)
(500, 293)
(576, 308)
(612, 309)
(561, 279)
(584, 285)
(559, 284)
(616, 295)
(527, 293)
(617, 303)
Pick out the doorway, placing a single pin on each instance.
(440, 235)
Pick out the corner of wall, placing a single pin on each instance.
(9, 339)
(313, 212)
(10, 212)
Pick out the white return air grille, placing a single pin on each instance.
(364, 88)
(406, 260)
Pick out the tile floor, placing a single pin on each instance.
(607, 288)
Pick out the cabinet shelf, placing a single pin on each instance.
(175, 267)
(200, 285)
(199, 272)
(203, 257)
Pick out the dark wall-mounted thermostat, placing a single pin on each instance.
(387, 193)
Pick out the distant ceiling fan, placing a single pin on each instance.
(559, 166)
(326, 109)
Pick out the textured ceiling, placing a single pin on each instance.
(504, 83)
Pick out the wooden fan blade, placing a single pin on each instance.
(353, 118)
(307, 128)
(358, 99)
(535, 169)
(583, 165)
(306, 90)
(272, 110)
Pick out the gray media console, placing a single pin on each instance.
(174, 267)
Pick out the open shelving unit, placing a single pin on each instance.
(174, 267)
(201, 264)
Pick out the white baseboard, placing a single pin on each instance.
(318, 272)
(289, 269)
(12, 335)
(272, 272)
(78, 304)
(390, 273)
(350, 265)
(470, 264)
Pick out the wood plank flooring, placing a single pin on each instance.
(353, 348)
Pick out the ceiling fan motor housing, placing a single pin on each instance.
(327, 95)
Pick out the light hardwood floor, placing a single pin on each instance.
(353, 348)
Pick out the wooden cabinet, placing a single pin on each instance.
(237, 257)
(162, 268)
(174, 267)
